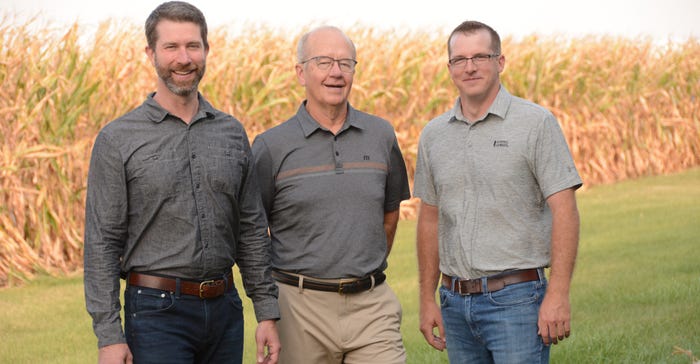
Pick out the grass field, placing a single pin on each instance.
(635, 294)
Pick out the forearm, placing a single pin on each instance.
(391, 221)
(260, 287)
(102, 288)
(427, 251)
(554, 321)
(253, 257)
(565, 238)
(254, 262)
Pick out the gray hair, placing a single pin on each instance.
(301, 46)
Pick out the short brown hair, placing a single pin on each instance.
(178, 11)
(470, 27)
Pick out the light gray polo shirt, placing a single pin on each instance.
(489, 180)
(325, 195)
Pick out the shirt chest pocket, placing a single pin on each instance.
(160, 174)
(225, 169)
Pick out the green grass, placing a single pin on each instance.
(46, 322)
(636, 290)
(635, 294)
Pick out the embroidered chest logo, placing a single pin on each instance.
(365, 157)
(500, 143)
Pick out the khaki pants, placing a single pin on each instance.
(326, 327)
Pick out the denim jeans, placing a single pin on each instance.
(164, 327)
(495, 327)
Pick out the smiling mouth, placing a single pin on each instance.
(183, 73)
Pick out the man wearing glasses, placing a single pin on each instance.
(496, 182)
(332, 179)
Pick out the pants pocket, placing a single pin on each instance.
(147, 301)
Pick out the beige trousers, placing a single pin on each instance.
(328, 328)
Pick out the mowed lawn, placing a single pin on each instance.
(635, 294)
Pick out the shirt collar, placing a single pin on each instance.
(309, 125)
(499, 107)
(156, 113)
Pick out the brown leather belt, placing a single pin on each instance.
(203, 289)
(341, 286)
(494, 283)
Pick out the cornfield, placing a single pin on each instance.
(628, 108)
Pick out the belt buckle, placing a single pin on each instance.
(459, 289)
(203, 285)
(342, 286)
(470, 284)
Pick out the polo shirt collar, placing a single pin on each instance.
(309, 125)
(156, 113)
(499, 107)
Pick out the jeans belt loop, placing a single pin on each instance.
(301, 284)
(177, 287)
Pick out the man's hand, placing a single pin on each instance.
(115, 354)
(266, 339)
(554, 322)
(431, 318)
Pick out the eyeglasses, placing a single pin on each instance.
(477, 60)
(324, 63)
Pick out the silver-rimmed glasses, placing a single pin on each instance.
(324, 63)
(477, 60)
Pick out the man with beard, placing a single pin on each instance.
(172, 204)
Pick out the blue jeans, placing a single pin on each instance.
(164, 327)
(495, 327)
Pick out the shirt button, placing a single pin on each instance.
(194, 156)
(202, 215)
(337, 154)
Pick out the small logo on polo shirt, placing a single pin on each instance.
(365, 157)
(500, 143)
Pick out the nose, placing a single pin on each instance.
(335, 68)
(470, 66)
(183, 56)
